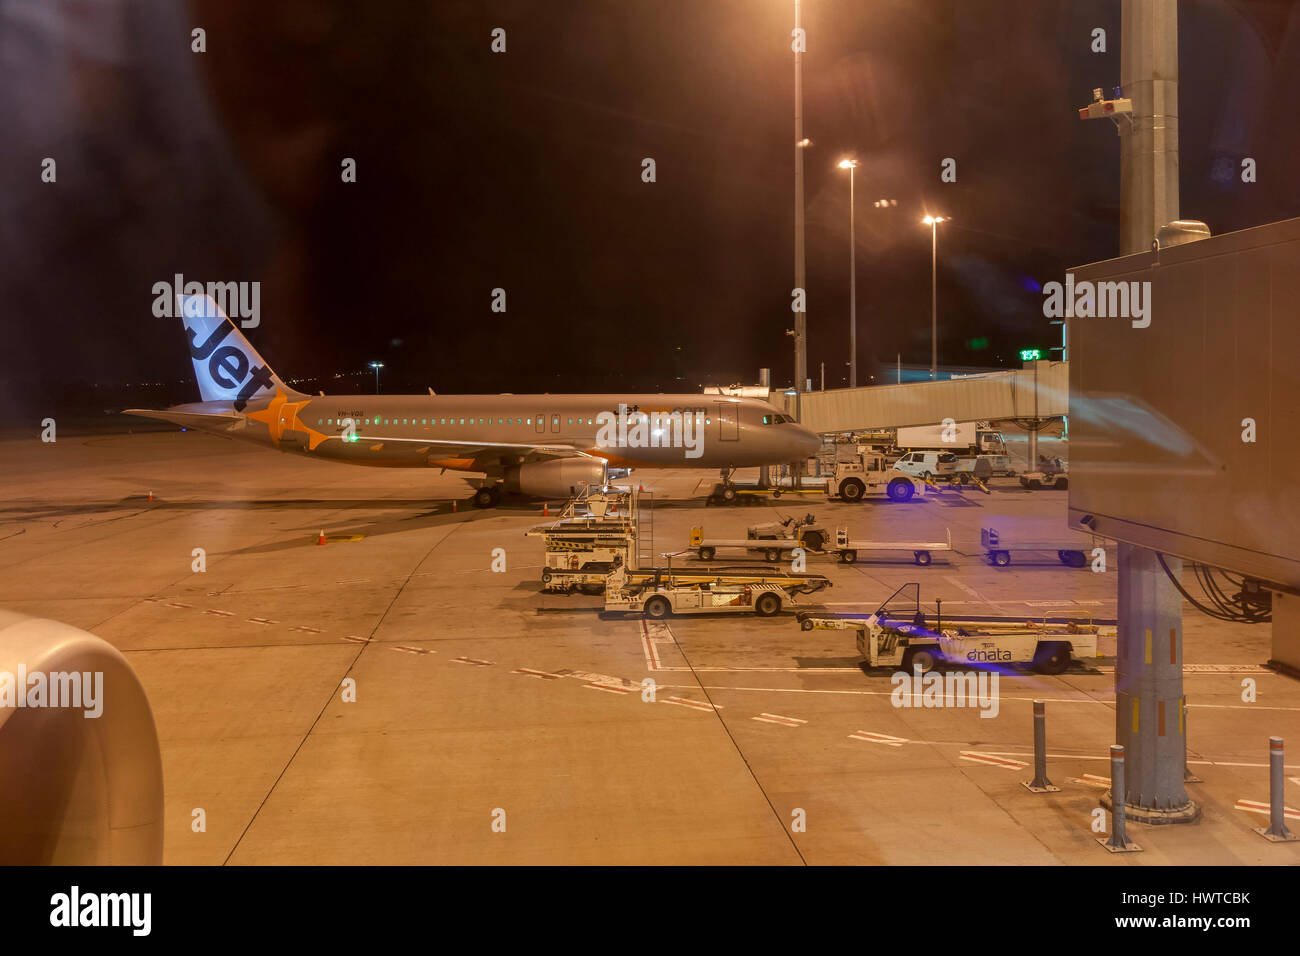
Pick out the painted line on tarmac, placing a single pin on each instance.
(1202, 762)
(608, 688)
(1254, 806)
(213, 610)
(976, 756)
(886, 739)
(408, 649)
(963, 586)
(540, 675)
(656, 633)
(472, 660)
(694, 704)
(779, 719)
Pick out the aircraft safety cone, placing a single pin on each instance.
(321, 539)
(151, 496)
(454, 506)
(546, 509)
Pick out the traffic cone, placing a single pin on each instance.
(321, 539)
(151, 496)
(640, 489)
(455, 506)
(546, 509)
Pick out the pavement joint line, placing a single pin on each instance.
(329, 699)
(780, 820)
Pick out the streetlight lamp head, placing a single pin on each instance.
(848, 163)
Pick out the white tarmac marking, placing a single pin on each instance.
(260, 620)
(963, 586)
(357, 640)
(778, 719)
(408, 649)
(1254, 806)
(540, 675)
(874, 738)
(212, 610)
(471, 660)
(609, 689)
(695, 704)
(177, 604)
(304, 627)
(975, 756)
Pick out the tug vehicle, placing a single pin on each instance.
(898, 635)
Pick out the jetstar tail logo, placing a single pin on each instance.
(228, 365)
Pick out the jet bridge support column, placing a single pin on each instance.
(1148, 659)
(1149, 691)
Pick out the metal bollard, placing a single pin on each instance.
(1040, 783)
(1118, 842)
(1276, 831)
(1188, 776)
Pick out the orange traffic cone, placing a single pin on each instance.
(454, 505)
(546, 509)
(640, 489)
(151, 496)
(321, 539)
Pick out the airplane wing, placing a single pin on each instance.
(199, 420)
(471, 449)
(227, 420)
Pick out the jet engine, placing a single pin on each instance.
(557, 478)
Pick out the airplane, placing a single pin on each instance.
(539, 445)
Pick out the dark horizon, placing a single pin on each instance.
(522, 171)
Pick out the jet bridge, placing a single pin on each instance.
(990, 397)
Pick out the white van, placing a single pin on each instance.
(927, 464)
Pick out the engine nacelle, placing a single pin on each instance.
(559, 477)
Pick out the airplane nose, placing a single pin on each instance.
(809, 444)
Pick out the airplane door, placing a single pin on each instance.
(728, 416)
(541, 422)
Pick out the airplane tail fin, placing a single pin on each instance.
(227, 367)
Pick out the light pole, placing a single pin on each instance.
(850, 165)
(376, 366)
(933, 223)
(800, 143)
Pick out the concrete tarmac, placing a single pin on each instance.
(493, 723)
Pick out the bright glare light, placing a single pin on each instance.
(376, 364)
(804, 142)
(848, 163)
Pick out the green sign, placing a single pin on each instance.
(1027, 355)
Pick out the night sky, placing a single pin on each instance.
(522, 171)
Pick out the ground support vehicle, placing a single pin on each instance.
(998, 550)
(663, 591)
(1049, 473)
(868, 473)
(847, 550)
(596, 532)
(899, 636)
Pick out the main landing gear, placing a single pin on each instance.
(489, 496)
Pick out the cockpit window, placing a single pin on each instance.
(777, 419)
